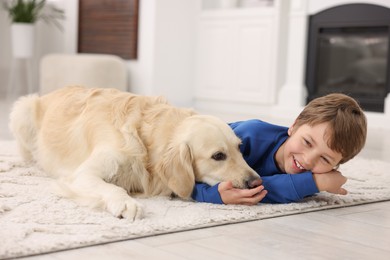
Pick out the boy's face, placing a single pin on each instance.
(306, 149)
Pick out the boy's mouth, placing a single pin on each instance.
(298, 165)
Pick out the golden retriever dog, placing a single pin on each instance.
(103, 145)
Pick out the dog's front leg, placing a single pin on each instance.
(88, 184)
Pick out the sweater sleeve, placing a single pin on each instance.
(205, 193)
(281, 188)
(286, 188)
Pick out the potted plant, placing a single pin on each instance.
(23, 15)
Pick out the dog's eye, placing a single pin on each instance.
(219, 156)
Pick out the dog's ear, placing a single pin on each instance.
(176, 170)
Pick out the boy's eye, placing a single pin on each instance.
(325, 160)
(306, 142)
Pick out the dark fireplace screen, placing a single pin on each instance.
(348, 52)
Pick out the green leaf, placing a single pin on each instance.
(30, 11)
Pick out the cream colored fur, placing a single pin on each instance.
(104, 144)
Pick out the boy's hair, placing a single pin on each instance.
(347, 128)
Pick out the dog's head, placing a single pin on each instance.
(205, 149)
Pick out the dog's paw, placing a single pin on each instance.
(125, 208)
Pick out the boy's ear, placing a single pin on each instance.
(290, 130)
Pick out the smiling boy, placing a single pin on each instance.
(299, 161)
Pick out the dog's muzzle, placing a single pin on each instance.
(253, 183)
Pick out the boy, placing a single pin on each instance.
(328, 132)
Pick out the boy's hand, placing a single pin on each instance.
(330, 182)
(231, 195)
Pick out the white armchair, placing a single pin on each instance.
(90, 70)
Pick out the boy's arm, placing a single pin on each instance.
(331, 182)
(279, 188)
(286, 188)
(205, 193)
(212, 194)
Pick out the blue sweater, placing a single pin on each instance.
(260, 141)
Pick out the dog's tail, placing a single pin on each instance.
(23, 124)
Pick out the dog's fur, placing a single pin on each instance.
(104, 144)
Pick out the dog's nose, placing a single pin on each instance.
(253, 183)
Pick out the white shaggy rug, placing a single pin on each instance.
(33, 220)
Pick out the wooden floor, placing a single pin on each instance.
(359, 232)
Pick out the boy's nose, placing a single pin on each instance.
(309, 160)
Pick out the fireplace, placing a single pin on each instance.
(348, 52)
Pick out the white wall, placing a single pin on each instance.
(5, 46)
(165, 50)
(165, 47)
(315, 6)
(48, 39)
